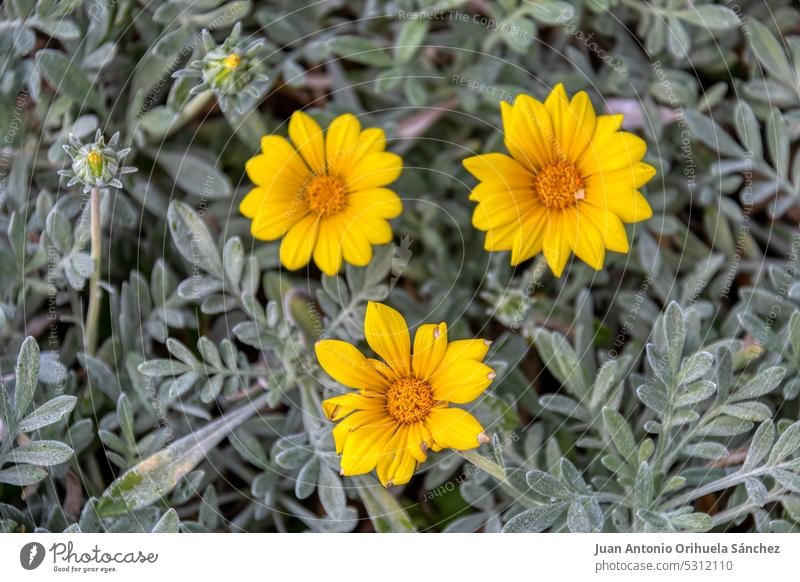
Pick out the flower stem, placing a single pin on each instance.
(95, 293)
(484, 464)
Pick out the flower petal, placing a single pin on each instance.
(328, 250)
(344, 429)
(583, 125)
(356, 248)
(555, 244)
(347, 365)
(530, 238)
(338, 407)
(341, 143)
(298, 244)
(365, 446)
(280, 165)
(387, 334)
(461, 381)
(373, 171)
(453, 428)
(531, 138)
(499, 169)
(309, 139)
(380, 202)
(584, 238)
(430, 345)
(272, 215)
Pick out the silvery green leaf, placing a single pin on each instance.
(571, 475)
(61, 74)
(760, 446)
(778, 142)
(359, 50)
(411, 35)
(578, 518)
(22, 475)
(562, 361)
(706, 450)
(551, 11)
(59, 231)
(307, 478)
(620, 433)
(536, 519)
(681, 417)
(183, 353)
(643, 486)
(330, 490)
(194, 174)
(233, 260)
(708, 132)
(654, 397)
(212, 388)
(694, 367)
(787, 479)
(125, 419)
(48, 413)
(787, 444)
(656, 520)
(27, 375)
(42, 453)
(747, 128)
(710, 16)
(755, 411)
(764, 383)
(545, 485)
(182, 384)
(604, 384)
(159, 368)
(756, 491)
(226, 15)
(193, 238)
(696, 522)
(725, 426)
(768, 50)
(158, 474)
(694, 393)
(675, 331)
(563, 404)
(209, 352)
(169, 523)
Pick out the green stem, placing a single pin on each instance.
(188, 111)
(484, 464)
(95, 293)
(499, 474)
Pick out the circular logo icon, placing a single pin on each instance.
(31, 555)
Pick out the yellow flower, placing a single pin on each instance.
(401, 407)
(570, 183)
(324, 193)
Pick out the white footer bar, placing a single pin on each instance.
(386, 558)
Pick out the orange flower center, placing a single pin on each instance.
(409, 400)
(326, 195)
(559, 185)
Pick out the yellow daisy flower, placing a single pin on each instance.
(570, 183)
(402, 407)
(324, 193)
